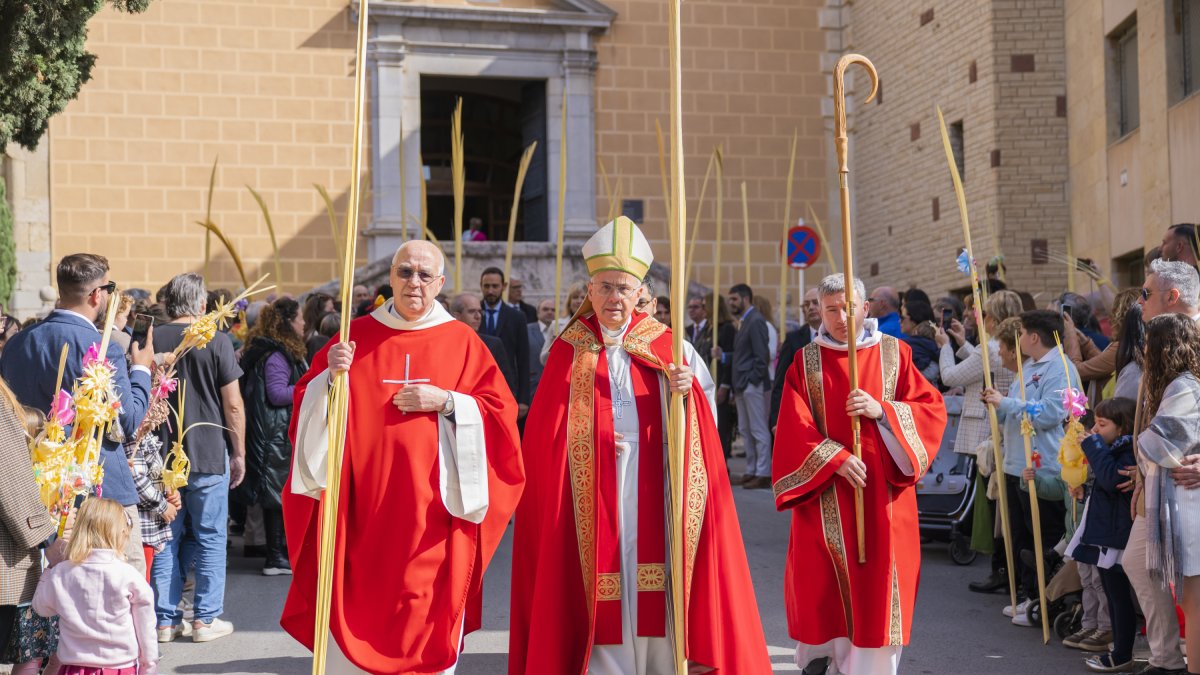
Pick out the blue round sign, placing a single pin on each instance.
(803, 247)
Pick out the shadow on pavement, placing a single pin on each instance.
(279, 666)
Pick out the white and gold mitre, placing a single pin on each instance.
(621, 246)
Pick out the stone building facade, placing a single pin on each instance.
(266, 87)
(997, 71)
(1133, 71)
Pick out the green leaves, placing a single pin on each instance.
(43, 61)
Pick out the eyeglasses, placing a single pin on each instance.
(622, 292)
(110, 288)
(407, 274)
(1146, 293)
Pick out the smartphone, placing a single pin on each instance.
(140, 326)
(947, 317)
(1066, 309)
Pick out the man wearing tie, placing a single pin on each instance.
(796, 341)
(508, 324)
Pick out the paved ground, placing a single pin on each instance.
(955, 631)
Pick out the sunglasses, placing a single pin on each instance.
(110, 288)
(1146, 293)
(407, 274)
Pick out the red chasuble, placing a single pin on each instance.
(566, 590)
(828, 593)
(407, 574)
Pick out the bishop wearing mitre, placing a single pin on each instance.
(430, 477)
(591, 557)
(855, 616)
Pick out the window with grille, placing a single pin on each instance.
(1124, 73)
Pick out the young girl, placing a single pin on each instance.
(1172, 432)
(1101, 537)
(105, 608)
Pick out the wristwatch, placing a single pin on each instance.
(448, 407)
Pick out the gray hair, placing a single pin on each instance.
(836, 283)
(1179, 276)
(458, 303)
(648, 284)
(184, 295)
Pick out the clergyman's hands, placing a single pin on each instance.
(854, 471)
(681, 378)
(420, 398)
(862, 404)
(341, 356)
(1188, 475)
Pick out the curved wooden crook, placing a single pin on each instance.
(839, 100)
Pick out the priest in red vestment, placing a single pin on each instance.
(858, 615)
(591, 561)
(430, 477)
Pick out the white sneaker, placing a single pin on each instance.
(169, 633)
(1022, 619)
(1021, 607)
(207, 632)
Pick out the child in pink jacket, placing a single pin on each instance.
(105, 608)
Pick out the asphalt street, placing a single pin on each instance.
(955, 631)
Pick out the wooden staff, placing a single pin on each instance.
(522, 168)
(458, 177)
(677, 430)
(562, 200)
(746, 233)
(993, 423)
(339, 395)
(403, 185)
(715, 318)
(1033, 509)
(425, 201)
(841, 142)
(783, 258)
(662, 172)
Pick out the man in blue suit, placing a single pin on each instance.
(29, 364)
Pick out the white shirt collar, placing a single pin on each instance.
(868, 336)
(612, 338)
(387, 315)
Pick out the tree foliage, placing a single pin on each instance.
(8, 253)
(43, 61)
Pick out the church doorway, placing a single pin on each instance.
(500, 118)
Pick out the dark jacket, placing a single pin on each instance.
(752, 352)
(496, 346)
(510, 328)
(1108, 518)
(924, 350)
(793, 344)
(528, 310)
(30, 362)
(268, 448)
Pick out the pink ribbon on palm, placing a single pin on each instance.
(1075, 402)
(62, 408)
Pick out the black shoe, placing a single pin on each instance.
(996, 583)
(254, 551)
(1155, 670)
(817, 666)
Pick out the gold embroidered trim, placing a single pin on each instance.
(831, 523)
(813, 380)
(908, 427)
(889, 353)
(608, 586)
(696, 496)
(652, 577)
(580, 451)
(637, 341)
(816, 459)
(895, 625)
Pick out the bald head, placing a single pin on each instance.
(420, 248)
(417, 276)
(884, 301)
(466, 308)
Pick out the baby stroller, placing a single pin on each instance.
(946, 493)
(1064, 597)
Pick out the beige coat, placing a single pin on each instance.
(24, 521)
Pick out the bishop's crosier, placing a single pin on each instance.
(591, 571)
(430, 477)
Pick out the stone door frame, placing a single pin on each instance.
(481, 40)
